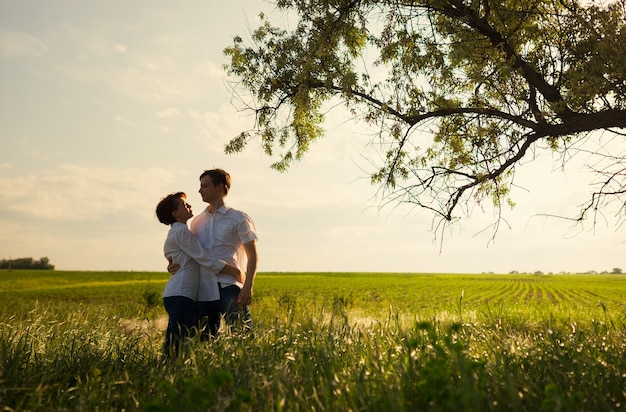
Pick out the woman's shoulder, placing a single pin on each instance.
(179, 229)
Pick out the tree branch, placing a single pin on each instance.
(457, 10)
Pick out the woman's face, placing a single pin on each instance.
(183, 212)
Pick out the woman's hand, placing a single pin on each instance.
(231, 270)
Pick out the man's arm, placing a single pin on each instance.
(245, 295)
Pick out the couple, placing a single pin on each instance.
(213, 266)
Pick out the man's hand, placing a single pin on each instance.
(171, 266)
(245, 296)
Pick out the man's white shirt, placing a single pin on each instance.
(223, 233)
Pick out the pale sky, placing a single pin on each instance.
(106, 106)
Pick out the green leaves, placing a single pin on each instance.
(459, 91)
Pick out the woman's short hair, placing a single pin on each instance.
(167, 206)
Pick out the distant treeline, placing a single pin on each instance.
(26, 263)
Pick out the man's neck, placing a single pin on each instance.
(214, 206)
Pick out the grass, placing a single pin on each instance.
(323, 342)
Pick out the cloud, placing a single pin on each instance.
(14, 44)
(168, 112)
(143, 74)
(74, 193)
(122, 120)
(211, 69)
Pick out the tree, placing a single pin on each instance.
(26, 263)
(460, 91)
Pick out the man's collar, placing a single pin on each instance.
(222, 209)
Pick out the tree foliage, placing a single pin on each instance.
(459, 91)
(26, 263)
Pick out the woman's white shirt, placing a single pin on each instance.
(183, 247)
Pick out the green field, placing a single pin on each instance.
(79, 341)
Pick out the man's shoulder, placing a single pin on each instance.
(245, 224)
(229, 211)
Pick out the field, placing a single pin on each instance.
(87, 341)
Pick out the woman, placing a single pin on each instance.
(179, 296)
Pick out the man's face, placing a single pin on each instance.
(208, 191)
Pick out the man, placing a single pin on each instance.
(230, 235)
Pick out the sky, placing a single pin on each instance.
(107, 106)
